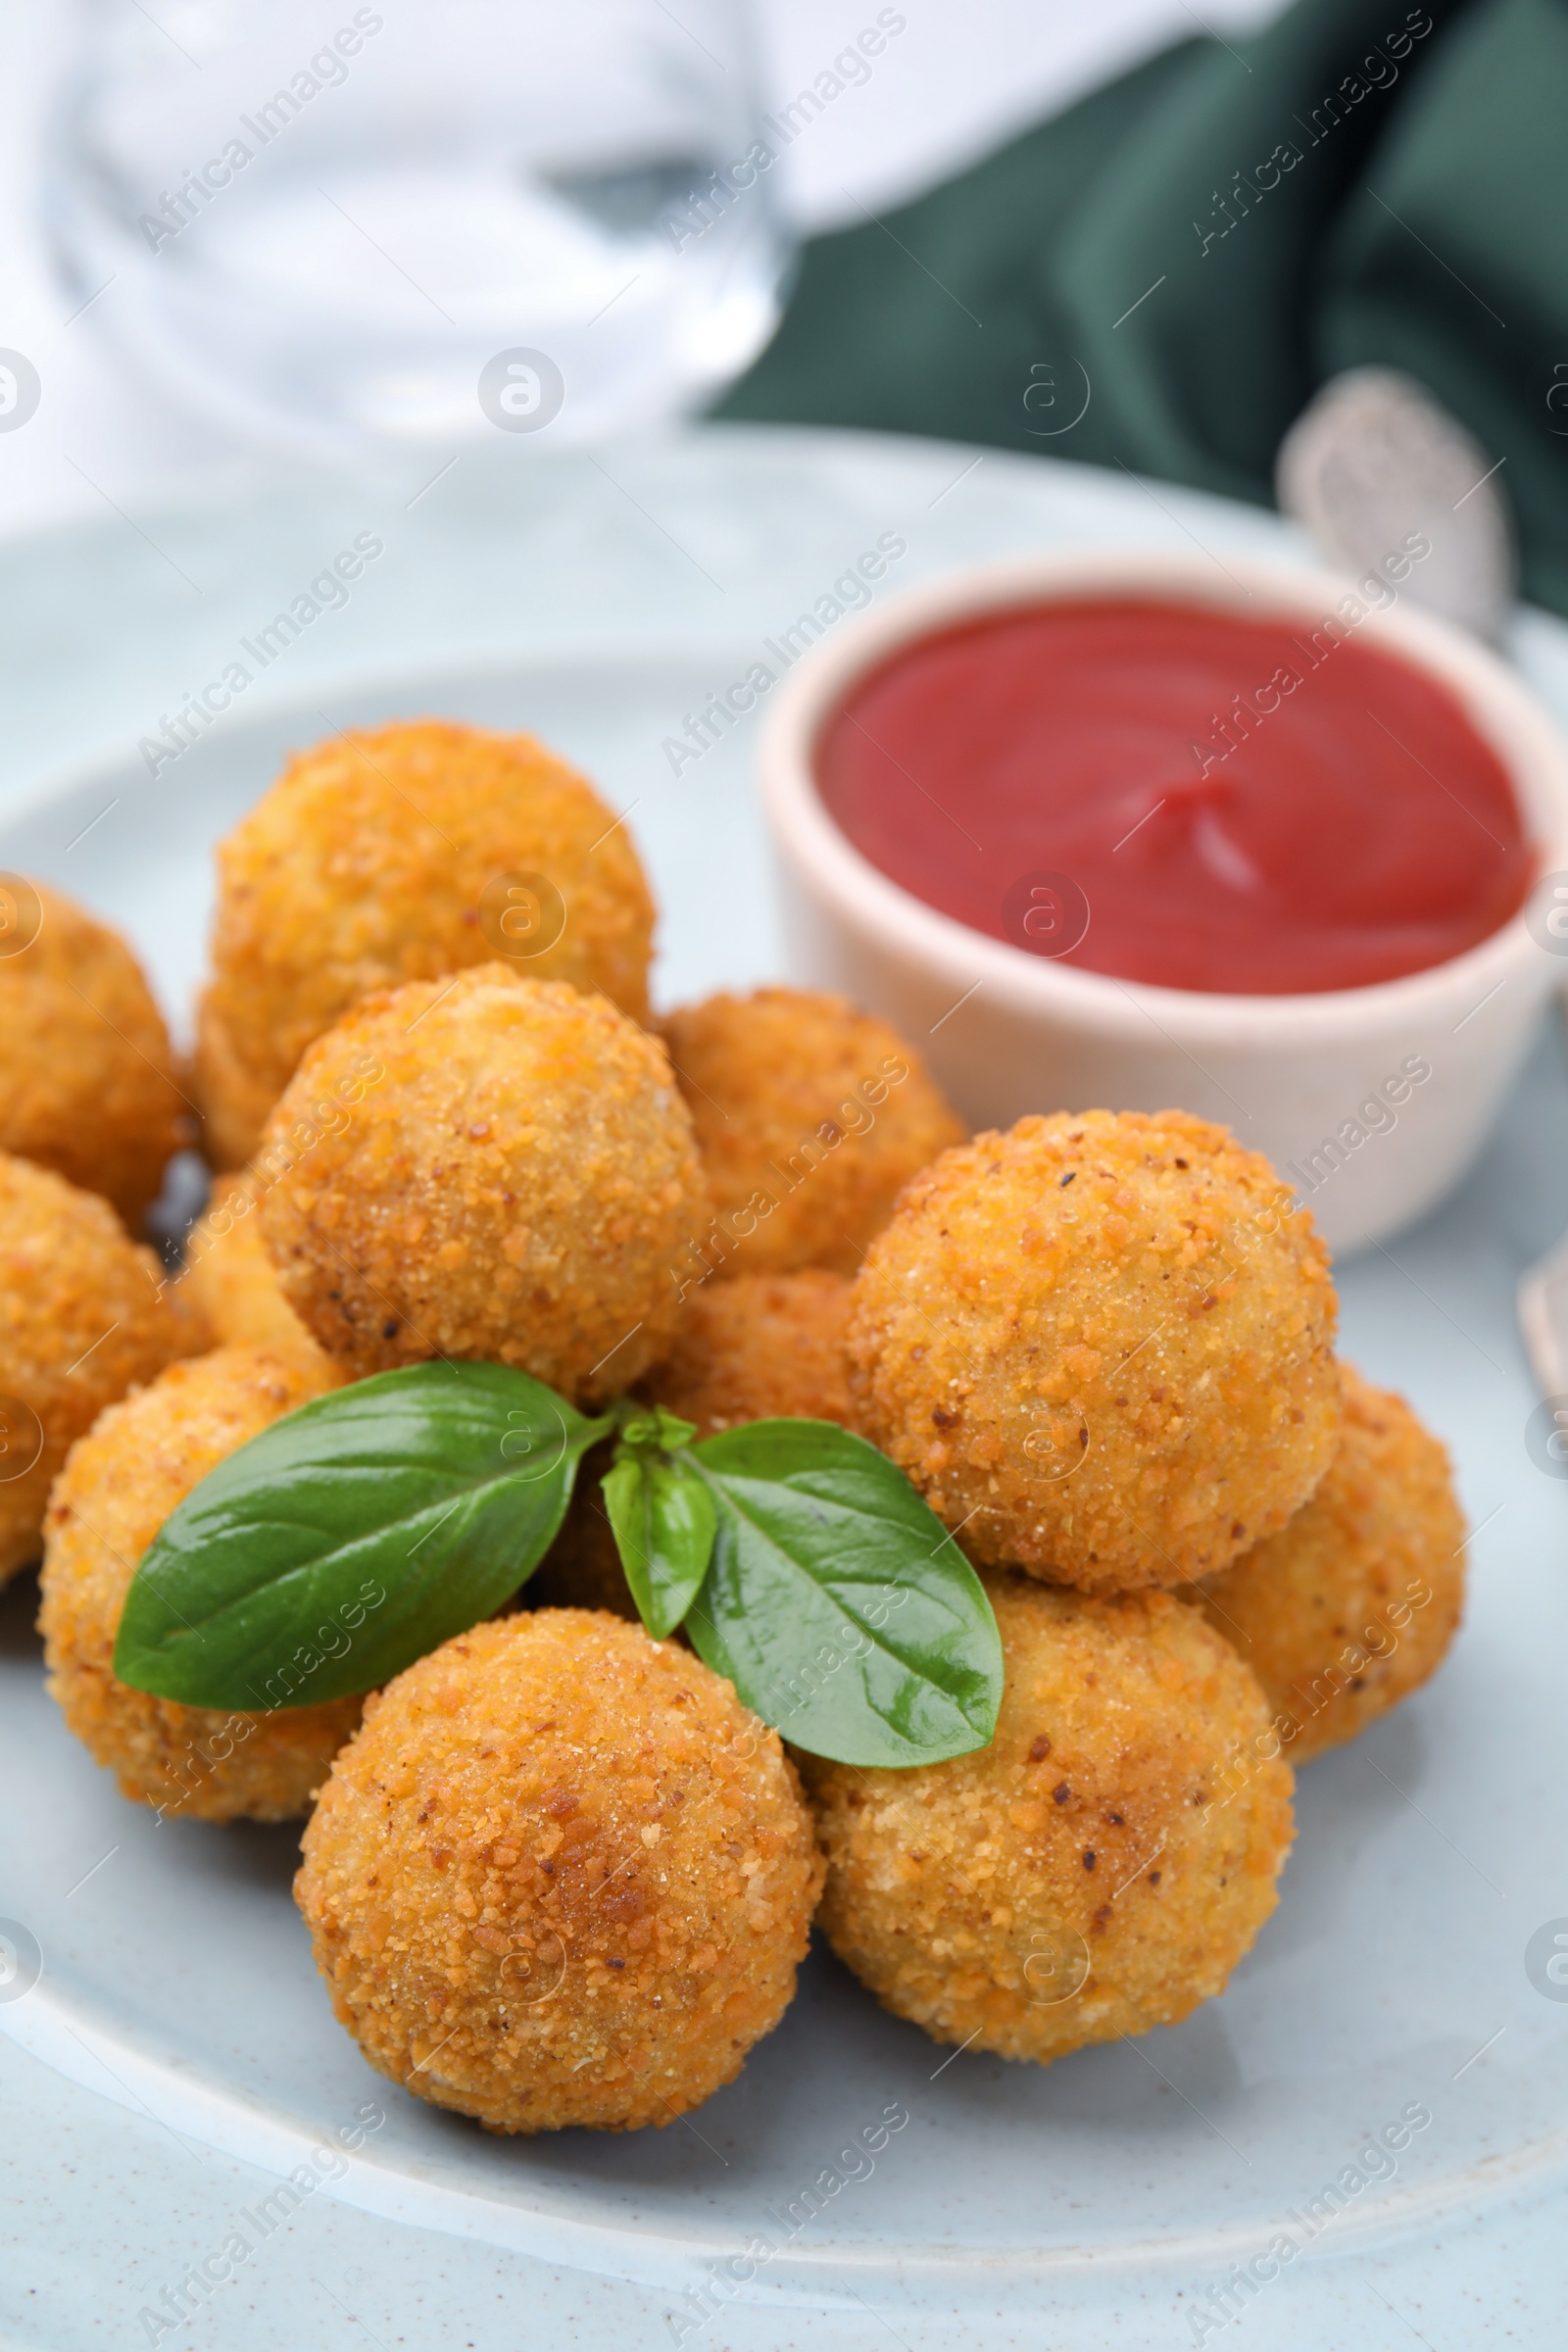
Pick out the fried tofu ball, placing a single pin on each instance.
(120, 1482)
(1103, 1345)
(560, 1876)
(764, 1345)
(1101, 1868)
(402, 853)
(518, 1185)
(1354, 1606)
(760, 1347)
(81, 1322)
(810, 1117)
(230, 1281)
(87, 1081)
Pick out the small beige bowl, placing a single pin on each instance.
(1371, 1102)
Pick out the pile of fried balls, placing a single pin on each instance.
(556, 1873)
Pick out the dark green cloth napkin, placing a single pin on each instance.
(1201, 243)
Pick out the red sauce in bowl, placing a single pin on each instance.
(1177, 794)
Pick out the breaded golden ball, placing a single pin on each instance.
(228, 1278)
(401, 852)
(81, 1322)
(759, 1347)
(1354, 1606)
(87, 1083)
(234, 1101)
(1103, 1345)
(119, 1484)
(519, 1184)
(810, 1117)
(1100, 1868)
(562, 1876)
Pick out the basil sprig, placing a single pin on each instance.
(364, 1530)
(352, 1537)
(662, 1516)
(836, 1602)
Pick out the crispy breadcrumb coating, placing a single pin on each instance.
(809, 1116)
(759, 1347)
(384, 855)
(87, 1080)
(229, 1277)
(560, 1876)
(232, 1098)
(516, 1187)
(1101, 1868)
(1103, 1345)
(119, 1484)
(81, 1322)
(1354, 1606)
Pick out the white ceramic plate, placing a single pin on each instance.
(1119, 2188)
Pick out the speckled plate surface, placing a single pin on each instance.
(176, 2055)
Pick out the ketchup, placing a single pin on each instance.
(1199, 799)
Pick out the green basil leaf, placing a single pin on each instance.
(352, 1537)
(836, 1602)
(663, 1519)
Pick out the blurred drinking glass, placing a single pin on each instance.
(327, 221)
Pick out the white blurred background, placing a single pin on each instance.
(963, 78)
